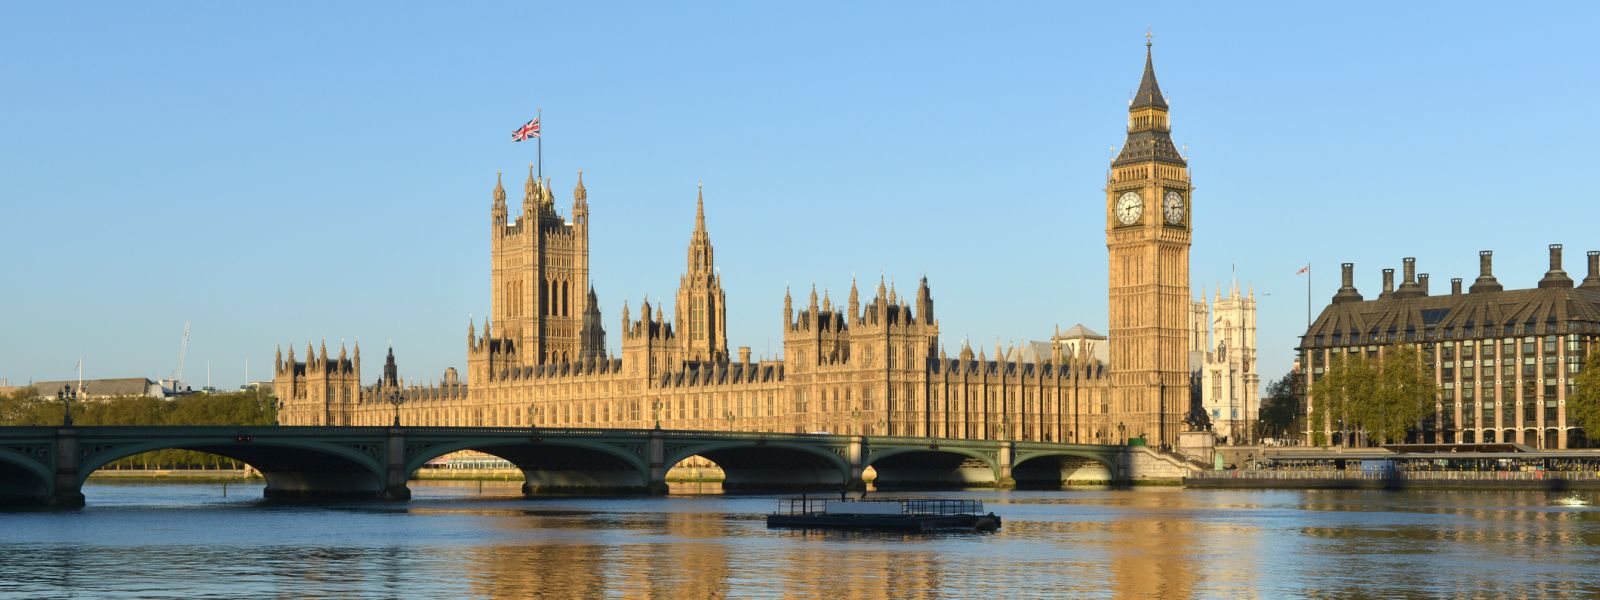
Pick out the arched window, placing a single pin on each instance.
(544, 296)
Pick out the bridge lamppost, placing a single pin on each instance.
(655, 411)
(1122, 433)
(533, 416)
(66, 396)
(396, 398)
(730, 420)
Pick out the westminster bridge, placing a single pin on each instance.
(48, 465)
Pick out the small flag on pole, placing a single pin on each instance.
(527, 130)
(1303, 270)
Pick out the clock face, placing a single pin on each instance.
(1173, 207)
(1129, 207)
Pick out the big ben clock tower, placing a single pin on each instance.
(1148, 218)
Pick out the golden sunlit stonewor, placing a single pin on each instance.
(861, 366)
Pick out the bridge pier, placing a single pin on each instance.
(395, 476)
(68, 490)
(1002, 466)
(656, 479)
(856, 455)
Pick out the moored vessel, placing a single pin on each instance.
(903, 514)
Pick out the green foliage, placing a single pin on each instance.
(1404, 396)
(1281, 408)
(1583, 407)
(238, 408)
(1382, 399)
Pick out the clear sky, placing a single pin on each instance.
(281, 172)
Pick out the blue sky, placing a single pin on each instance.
(293, 171)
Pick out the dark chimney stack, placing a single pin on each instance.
(1455, 286)
(1347, 284)
(1422, 282)
(1410, 287)
(1388, 283)
(1593, 280)
(1486, 281)
(1555, 277)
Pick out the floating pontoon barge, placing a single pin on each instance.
(902, 514)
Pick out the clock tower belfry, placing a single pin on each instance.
(1147, 240)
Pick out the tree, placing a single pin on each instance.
(1328, 399)
(1583, 407)
(1404, 395)
(1281, 408)
(1382, 399)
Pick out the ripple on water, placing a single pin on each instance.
(453, 540)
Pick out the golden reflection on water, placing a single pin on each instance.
(1163, 543)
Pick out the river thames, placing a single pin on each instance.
(463, 540)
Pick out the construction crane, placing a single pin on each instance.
(183, 351)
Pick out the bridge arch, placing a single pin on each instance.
(23, 478)
(1054, 469)
(933, 467)
(553, 465)
(292, 468)
(768, 464)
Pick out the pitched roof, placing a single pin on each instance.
(1537, 311)
(1149, 94)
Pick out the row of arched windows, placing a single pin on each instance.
(554, 296)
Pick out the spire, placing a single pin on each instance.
(1149, 135)
(579, 193)
(1149, 94)
(700, 209)
(788, 308)
(855, 302)
(531, 185)
(499, 191)
(813, 299)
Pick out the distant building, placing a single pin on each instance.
(1222, 347)
(95, 389)
(1504, 360)
(862, 366)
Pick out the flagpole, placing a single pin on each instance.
(1308, 296)
(539, 116)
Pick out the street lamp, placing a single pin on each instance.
(1122, 432)
(66, 396)
(396, 398)
(655, 410)
(533, 416)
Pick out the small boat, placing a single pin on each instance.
(1573, 500)
(902, 514)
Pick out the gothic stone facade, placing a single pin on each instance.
(1504, 360)
(864, 367)
(1222, 342)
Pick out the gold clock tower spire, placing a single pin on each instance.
(1148, 227)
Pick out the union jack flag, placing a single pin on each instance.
(527, 130)
(1303, 270)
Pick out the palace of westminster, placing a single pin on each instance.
(867, 365)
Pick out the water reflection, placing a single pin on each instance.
(457, 540)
